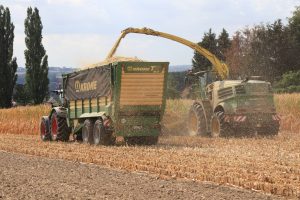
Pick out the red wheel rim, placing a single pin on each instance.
(54, 126)
(43, 129)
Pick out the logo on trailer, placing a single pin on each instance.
(143, 69)
(85, 87)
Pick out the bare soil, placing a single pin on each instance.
(32, 177)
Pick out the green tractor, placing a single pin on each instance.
(125, 98)
(233, 108)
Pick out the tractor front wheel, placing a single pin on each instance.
(44, 129)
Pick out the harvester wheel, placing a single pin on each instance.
(44, 129)
(196, 120)
(87, 132)
(219, 128)
(101, 136)
(271, 130)
(59, 129)
(151, 140)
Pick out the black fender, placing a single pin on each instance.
(60, 111)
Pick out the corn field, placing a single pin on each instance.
(271, 165)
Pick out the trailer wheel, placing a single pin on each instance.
(196, 120)
(44, 129)
(87, 132)
(101, 136)
(219, 128)
(59, 130)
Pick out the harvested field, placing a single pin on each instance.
(271, 165)
(32, 177)
(268, 165)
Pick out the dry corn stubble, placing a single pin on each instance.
(270, 165)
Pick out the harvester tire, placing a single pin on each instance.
(196, 123)
(45, 129)
(87, 132)
(151, 140)
(100, 135)
(59, 129)
(219, 128)
(271, 130)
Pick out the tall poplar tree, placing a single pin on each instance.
(8, 64)
(36, 58)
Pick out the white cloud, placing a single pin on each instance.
(78, 32)
(75, 50)
(68, 2)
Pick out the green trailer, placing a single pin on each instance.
(117, 99)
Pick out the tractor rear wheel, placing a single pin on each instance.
(100, 135)
(87, 132)
(44, 129)
(59, 129)
(196, 120)
(219, 128)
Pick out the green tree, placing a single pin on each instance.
(209, 42)
(224, 44)
(290, 82)
(21, 95)
(294, 28)
(36, 58)
(294, 23)
(8, 64)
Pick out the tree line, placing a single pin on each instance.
(36, 86)
(268, 50)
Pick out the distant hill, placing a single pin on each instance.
(179, 68)
(54, 75)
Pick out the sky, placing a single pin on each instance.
(81, 32)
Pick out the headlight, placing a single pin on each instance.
(123, 121)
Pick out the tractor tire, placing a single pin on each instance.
(100, 136)
(219, 128)
(87, 132)
(196, 123)
(45, 129)
(59, 129)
